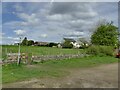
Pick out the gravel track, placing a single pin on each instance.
(103, 76)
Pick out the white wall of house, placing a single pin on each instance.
(76, 45)
(59, 46)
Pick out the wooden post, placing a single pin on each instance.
(29, 58)
(6, 56)
(26, 58)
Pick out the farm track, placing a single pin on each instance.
(103, 76)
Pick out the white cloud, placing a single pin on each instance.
(18, 7)
(58, 19)
(0, 8)
(79, 23)
(20, 32)
(11, 38)
(1, 33)
(60, 0)
(8, 40)
(74, 34)
(29, 20)
(43, 35)
(76, 10)
(12, 25)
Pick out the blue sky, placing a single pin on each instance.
(45, 21)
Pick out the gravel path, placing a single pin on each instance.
(104, 76)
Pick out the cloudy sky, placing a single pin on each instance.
(51, 21)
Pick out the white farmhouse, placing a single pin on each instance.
(75, 45)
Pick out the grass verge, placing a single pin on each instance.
(52, 68)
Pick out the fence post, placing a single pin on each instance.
(6, 54)
(29, 58)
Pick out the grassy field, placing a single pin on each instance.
(37, 50)
(53, 68)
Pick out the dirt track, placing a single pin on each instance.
(104, 76)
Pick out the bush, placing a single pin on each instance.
(107, 50)
(52, 44)
(84, 46)
(100, 50)
(94, 50)
(67, 44)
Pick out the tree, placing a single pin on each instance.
(67, 44)
(52, 44)
(105, 34)
(84, 42)
(24, 42)
(30, 42)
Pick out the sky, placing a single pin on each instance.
(52, 21)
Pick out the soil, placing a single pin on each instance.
(103, 76)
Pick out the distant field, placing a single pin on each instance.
(52, 68)
(37, 50)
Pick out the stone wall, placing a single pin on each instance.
(56, 57)
(13, 58)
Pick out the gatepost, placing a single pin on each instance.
(29, 58)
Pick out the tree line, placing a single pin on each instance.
(26, 42)
(105, 34)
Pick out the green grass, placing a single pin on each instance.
(81, 62)
(53, 68)
(37, 50)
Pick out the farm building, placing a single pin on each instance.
(77, 43)
(41, 44)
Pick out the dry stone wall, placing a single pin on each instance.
(56, 57)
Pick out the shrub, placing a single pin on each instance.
(52, 44)
(100, 50)
(94, 50)
(67, 44)
(106, 50)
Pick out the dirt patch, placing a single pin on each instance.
(104, 76)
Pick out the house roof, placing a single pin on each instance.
(41, 43)
(69, 39)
